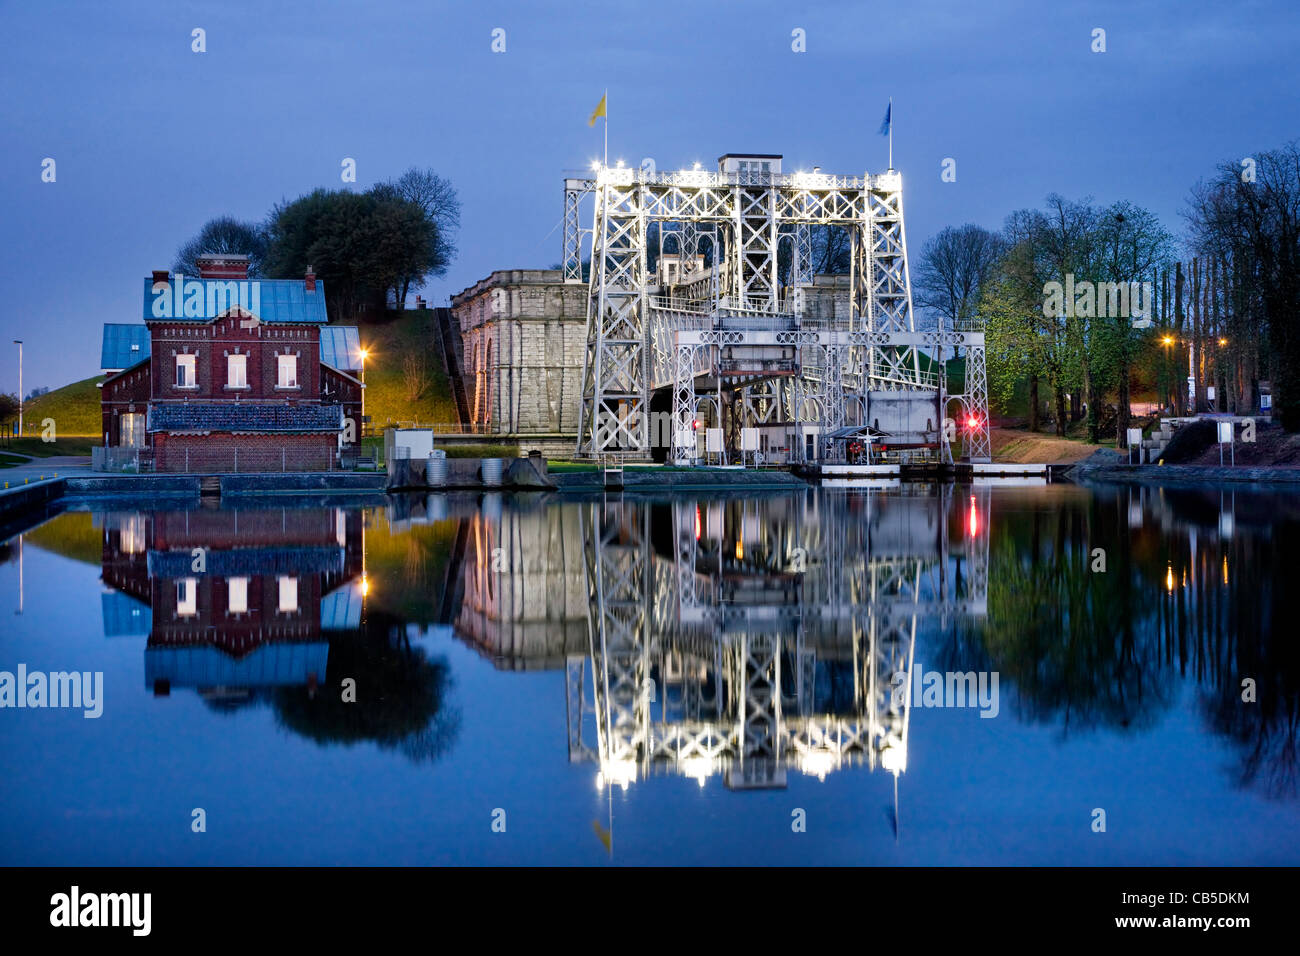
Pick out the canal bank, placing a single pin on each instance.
(1109, 466)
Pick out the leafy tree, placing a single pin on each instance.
(8, 406)
(363, 245)
(224, 234)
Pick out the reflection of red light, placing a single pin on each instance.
(697, 522)
(973, 524)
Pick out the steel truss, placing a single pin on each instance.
(641, 338)
(702, 663)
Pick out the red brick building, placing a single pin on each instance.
(231, 374)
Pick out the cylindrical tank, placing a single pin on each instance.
(435, 469)
(491, 469)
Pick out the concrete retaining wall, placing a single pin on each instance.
(25, 497)
(527, 472)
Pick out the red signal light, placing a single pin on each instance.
(695, 424)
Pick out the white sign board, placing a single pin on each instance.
(713, 439)
(1135, 438)
(749, 439)
(1225, 433)
(1266, 402)
(1209, 392)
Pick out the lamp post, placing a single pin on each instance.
(362, 354)
(19, 343)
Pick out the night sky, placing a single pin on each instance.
(152, 139)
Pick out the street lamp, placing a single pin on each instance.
(19, 343)
(362, 354)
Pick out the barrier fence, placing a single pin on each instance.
(223, 459)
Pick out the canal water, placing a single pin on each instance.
(896, 676)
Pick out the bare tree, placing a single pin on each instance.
(953, 268)
(415, 375)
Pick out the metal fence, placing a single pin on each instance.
(223, 459)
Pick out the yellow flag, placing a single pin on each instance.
(599, 112)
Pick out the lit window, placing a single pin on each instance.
(187, 597)
(288, 595)
(185, 371)
(237, 371)
(238, 603)
(288, 366)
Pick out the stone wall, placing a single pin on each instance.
(524, 333)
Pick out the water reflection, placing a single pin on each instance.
(737, 638)
(253, 605)
(742, 640)
(746, 639)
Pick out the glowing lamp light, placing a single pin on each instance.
(1168, 340)
(365, 585)
(817, 763)
(894, 756)
(697, 768)
(620, 772)
(973, 422)
(695, 424)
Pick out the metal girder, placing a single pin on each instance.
(630, 348)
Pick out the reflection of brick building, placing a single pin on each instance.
(237, 597)
(229, 374)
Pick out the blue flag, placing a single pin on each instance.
(884, 126)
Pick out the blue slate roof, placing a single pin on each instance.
(315, 559)
(340, 346)
(276, 300)
(118, 339)
(269, 665)
(124, 616)
(243, 417)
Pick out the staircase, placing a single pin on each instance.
(453, 359)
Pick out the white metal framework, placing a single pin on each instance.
(734, 340)
(764, 647)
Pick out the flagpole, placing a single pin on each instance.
(891, 133)
(606, 118)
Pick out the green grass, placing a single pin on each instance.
(75, 445)
(74, 408)
(388, 397)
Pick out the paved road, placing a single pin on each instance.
(34, 468)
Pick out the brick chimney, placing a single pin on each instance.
(161, 277)
(309, 281)
(215, 265)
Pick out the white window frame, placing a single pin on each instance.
(289, 362)
(237, 595)
(288, 594)
(187, 597)
(240, 363)
(186, 371)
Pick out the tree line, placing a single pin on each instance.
(370, 249)
(1079, 299)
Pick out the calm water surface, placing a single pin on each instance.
(773, 680)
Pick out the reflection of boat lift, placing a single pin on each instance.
(706, 663)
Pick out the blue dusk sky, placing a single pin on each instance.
(151, 139)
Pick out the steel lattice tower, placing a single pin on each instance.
(643, 338)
